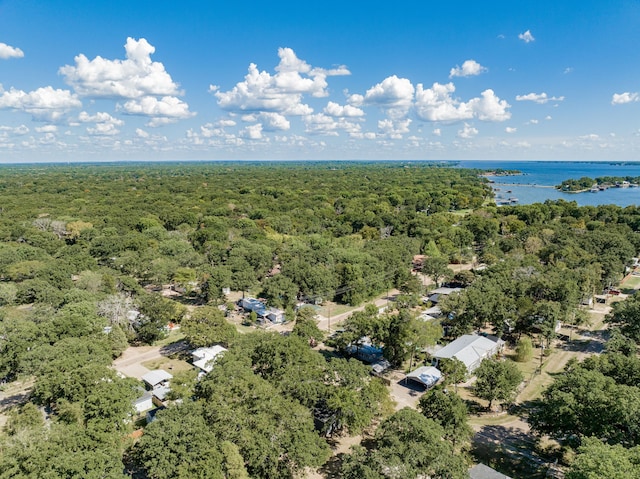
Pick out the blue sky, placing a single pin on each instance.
(160, 80)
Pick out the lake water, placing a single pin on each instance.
(536, 183)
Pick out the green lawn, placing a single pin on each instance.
(631, 282)
(168, 364)
(173, 337)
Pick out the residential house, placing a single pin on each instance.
(471, 350)
(157, 378)
(276, 316)
(158, 381)
(144, 402)
(204, 358)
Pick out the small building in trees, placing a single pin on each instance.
(426, 317)
(205, 358)
(436, 294)
(482, 471)
(144, 402)
(158, 381)
(157, 378)
(365, 351)
(252, 304)
(433, 311)
(275, 315)
(471, 349)
(428, 376)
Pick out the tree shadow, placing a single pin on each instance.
(333, 467)
(595, 343)
(189, 300)
(474, 407)
(329, 354)
(14, 400)
(510, 450)
(175, 348)
(413, 387)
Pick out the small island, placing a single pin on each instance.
(501, 172)
(594, 185)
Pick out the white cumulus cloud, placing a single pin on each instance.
(321, 124)
(489, 107)
(46, 129)
(469, 68)
(437, 104)
(45, 103)
(226, 122)
(7, 51)
(540, 98)
(271, 121)
(467, 132)
(393, 94)
(394, 129)
(168, 109)
(334, 109)
(252, 132)
(135, 77)
(282, 92)
(626, 97)
(100, 117)
(18, 130)
(105, 124)
(526, 37)
(510, 129)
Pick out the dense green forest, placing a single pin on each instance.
(82, 246)
(586, 183)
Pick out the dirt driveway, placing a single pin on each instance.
(130, 363)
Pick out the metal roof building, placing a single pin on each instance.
(471, 350)
(156, 378)
(426, 375)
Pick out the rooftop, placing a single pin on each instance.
(156, 377)
(426, 375)
(469, 348)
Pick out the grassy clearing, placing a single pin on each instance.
(168, 364)
(333, 309)
(631, 282)
(173, 337)
(17, 312)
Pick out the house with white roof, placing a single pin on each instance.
(144, 402)
(428, 376)
(471, 350)
(158, 382)
(482, 471)
(204, 358)
(158, 378)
